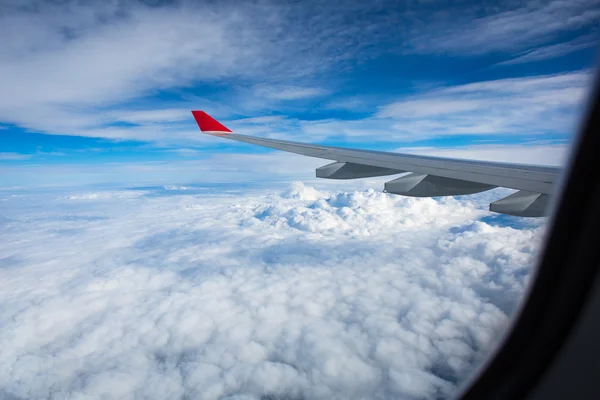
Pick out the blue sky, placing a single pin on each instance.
(88, 85)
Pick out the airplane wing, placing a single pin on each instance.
(427, 176)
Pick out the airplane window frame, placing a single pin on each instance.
(563, 283)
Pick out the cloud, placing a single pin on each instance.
(427, 108)
(82, 58)
(185, 152)
(153, 116)
(520, 107)
(117, 59)
(529, 153)
(250, 293)
(199, 166)
(13, 156)
(204, 168)
(288, 92)
(8, 156)
(261, 120)
(91, 69)
(512, 27)
(554, 50)
(356, 103)
(513, 106)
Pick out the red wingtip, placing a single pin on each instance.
(208, 123)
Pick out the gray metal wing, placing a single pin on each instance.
(428, 176)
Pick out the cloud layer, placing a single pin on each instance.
(513, 25)
(183, 291)
(91, 69)
(511, 106)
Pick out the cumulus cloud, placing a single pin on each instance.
(248, 293)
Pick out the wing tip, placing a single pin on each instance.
(208, 124)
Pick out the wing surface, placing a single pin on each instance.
(428, 176)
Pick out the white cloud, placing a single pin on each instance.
(529, 153)
(287, 92)
(9, 156)
(76, 63)
(205, 168)
(304, 294)
(576, 79)
(73, 58)
(198, 166)
(152, 116)
(261, 120)
(504, 28)
(512, 106)
(554, 50)
(426, 108)
(355, 103)
(185, 152)
(71, 61)
(110, 61)
(519, 107)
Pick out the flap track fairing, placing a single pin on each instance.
(424, 185)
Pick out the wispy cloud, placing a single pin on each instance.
(7, 156)
(79, 57)
(152, 116)
(261, 120)
(515, 27)
(195, 165)
(538, 105)
(513, 106)
(91, 65)
(535, 153)
(426, 108)
(548, 104)
(288, 92)
(554, 50)
(116, 53)
(186, 152)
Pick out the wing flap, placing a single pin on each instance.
(522, 204)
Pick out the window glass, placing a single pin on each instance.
(142, 258)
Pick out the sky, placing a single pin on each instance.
(112, 84)
(142, 259)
